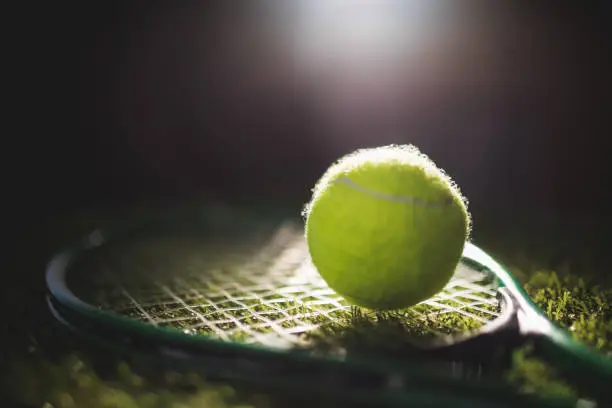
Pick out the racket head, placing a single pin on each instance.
(240, 283)
(239, 280)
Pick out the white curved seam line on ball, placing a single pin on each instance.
(391, 197)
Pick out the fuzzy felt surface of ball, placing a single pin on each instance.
(386, 227)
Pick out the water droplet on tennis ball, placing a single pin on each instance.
(386, 227)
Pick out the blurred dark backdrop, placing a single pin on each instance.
(131, 101)
(144, 100)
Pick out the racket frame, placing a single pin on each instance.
(520, 322)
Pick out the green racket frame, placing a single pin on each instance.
(521, 322)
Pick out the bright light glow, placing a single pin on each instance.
(359, 34)
(362, 58)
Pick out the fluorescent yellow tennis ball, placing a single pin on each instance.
(386, 227)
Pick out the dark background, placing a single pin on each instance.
(141, 100)
(129, 101)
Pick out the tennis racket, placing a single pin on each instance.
(234, 295)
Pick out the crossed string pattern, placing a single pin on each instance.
(244, 291)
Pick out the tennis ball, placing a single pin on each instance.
(386, 227)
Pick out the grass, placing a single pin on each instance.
(567, 278)
(585, 310)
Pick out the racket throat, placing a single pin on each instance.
(492, 346)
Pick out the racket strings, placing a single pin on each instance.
(266, 294)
